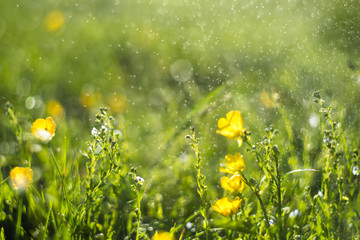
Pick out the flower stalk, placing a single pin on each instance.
(200, 179)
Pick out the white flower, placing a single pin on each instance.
(294, 213)
(139, 180)
(355, 171)
(94, 132)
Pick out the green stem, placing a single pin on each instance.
(55, 162)
(261, 161)
(278, 185)
(229, 233)
(327, 173)
(256, 192)
(201, 187)
(3, 181)
(206, 222)
(19, 215)
(54, 220)
(47, 221)
(186, 221)
(138, 213)
(288, 131)
(63, 187)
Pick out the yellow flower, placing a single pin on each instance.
(234, 163)
(21, 177)
(44, 129)
(232, 126)
(269, 101)
(163, 236)
(233, 184)
(54, 20)
(227, 207)
(88, 98)
(55, 109)
(118, 103)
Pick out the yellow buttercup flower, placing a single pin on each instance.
(89, 98)
(55, 109)
(44, 129)
(269, 101)
(117, 103)
(163, 236)
(233, 184)
(232, 126)
(234, 163)
(21, 177)
(54, 20)
(227, 207)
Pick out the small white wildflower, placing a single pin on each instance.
(286, 209)
(104, 128)
(139, 180)
(271, 222)
(320, 194)
(355, 170)
(188, 225)
(294, 213)
(94, 132)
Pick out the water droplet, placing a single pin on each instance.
(30, 102)
(181, 70)
(314, 120)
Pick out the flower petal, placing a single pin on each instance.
(235, 119)
(224, 182)
(235, 205)
(222, 123)
(50, 125)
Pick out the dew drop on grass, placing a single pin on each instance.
(181, 70)
(314, 120)
(188, 225)
(30, 102)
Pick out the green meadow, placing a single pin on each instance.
(160, 119)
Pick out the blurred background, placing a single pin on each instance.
(162, 66)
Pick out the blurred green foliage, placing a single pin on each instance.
(175, 64)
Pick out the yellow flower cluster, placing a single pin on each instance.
(231, 127)
(234, 163)
(43, 129)
(233, 184)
